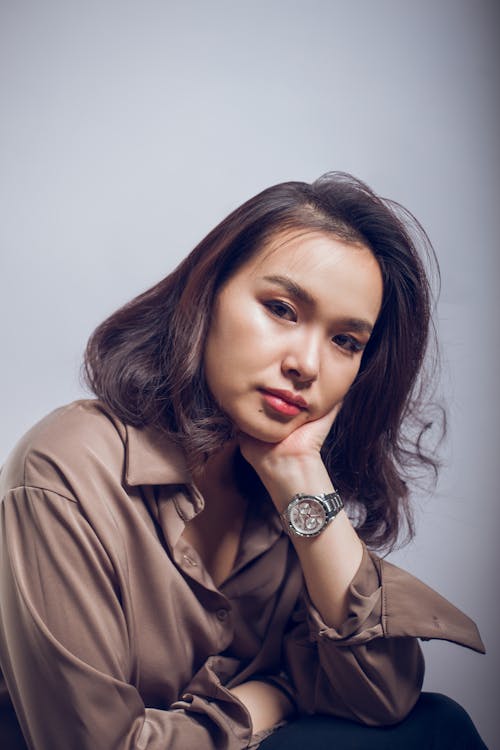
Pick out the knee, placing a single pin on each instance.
(439, 705)
(448, 720)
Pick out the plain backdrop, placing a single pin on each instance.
(129, 129)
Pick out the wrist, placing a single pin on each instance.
(299, 475)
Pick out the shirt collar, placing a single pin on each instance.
(153, 458)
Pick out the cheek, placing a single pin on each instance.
(230, 352)
(240, 337)
(341, 381)
(353, 374)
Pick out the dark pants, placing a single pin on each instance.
(436, 723)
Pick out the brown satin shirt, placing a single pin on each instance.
(113, 635)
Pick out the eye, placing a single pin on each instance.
(281, 309)
(348, 343)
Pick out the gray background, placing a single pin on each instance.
(129, 129)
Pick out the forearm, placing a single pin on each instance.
(266, 704)
(357, 670)
(330, 560)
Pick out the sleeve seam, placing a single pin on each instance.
(383, 615)
(42, 489)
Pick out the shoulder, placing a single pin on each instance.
(67, 444)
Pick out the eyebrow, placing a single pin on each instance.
(360, 325)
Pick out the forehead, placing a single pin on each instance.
(340, 277)
(305, 252)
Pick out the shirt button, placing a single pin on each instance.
(221, 615)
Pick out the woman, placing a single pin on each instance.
(178, 566)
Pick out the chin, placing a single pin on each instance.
(273, 433)
(263, 437)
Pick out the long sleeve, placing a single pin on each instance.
(67, 653)
(114, 637)
(371, 668)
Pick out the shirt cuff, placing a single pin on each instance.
(385, 601)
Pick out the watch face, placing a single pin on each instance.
(307, 516)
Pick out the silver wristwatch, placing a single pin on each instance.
(309, 515)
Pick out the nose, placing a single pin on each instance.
(302, 360)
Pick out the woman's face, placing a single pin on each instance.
(288, 331)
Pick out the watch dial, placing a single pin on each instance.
(307, 517)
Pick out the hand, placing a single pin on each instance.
(294, 464)
(266, 704)
(307, 439)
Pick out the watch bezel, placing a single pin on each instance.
(318, 501)
(330, 503)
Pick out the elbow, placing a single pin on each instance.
(390, 701)
(390, 710)
(376, 710)
(380, 694)
(376, 706)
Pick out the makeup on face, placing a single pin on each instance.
(288, 332)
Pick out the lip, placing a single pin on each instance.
(287, 396)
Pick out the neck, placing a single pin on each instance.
(218, 471)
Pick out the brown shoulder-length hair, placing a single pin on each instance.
(146, 360)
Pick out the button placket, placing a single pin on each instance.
(224, 625)
(222, 614)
